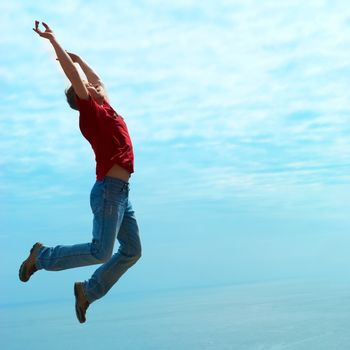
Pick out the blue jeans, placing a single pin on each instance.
(113, 218)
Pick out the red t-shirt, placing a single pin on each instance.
(108, 135)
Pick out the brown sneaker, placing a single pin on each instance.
(28, 266)
(81, 303)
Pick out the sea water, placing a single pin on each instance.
(298, 315)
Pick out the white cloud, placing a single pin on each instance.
(228, 75)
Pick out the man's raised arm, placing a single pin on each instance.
(90, 74)
(66, 62)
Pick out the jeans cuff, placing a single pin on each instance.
(38, 264)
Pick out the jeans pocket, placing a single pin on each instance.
(115, 195)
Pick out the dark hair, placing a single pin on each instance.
(71, 98)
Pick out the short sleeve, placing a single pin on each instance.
(88, 108)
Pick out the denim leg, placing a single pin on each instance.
(128, 253)
(108, 200)
(65, 257)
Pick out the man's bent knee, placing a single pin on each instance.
(137, 254)
(132, 256)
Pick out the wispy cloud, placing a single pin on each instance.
(247, 90)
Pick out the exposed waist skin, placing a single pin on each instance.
(119, 173)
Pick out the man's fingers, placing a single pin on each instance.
(36, 29)
(46, 26)
(41, 33)
(36, 26)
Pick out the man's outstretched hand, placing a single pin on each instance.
(47, 34)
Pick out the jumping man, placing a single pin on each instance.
(113, 216)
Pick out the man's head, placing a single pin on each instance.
(96, 91)
(71, 98)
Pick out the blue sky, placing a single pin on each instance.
(238, 112)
